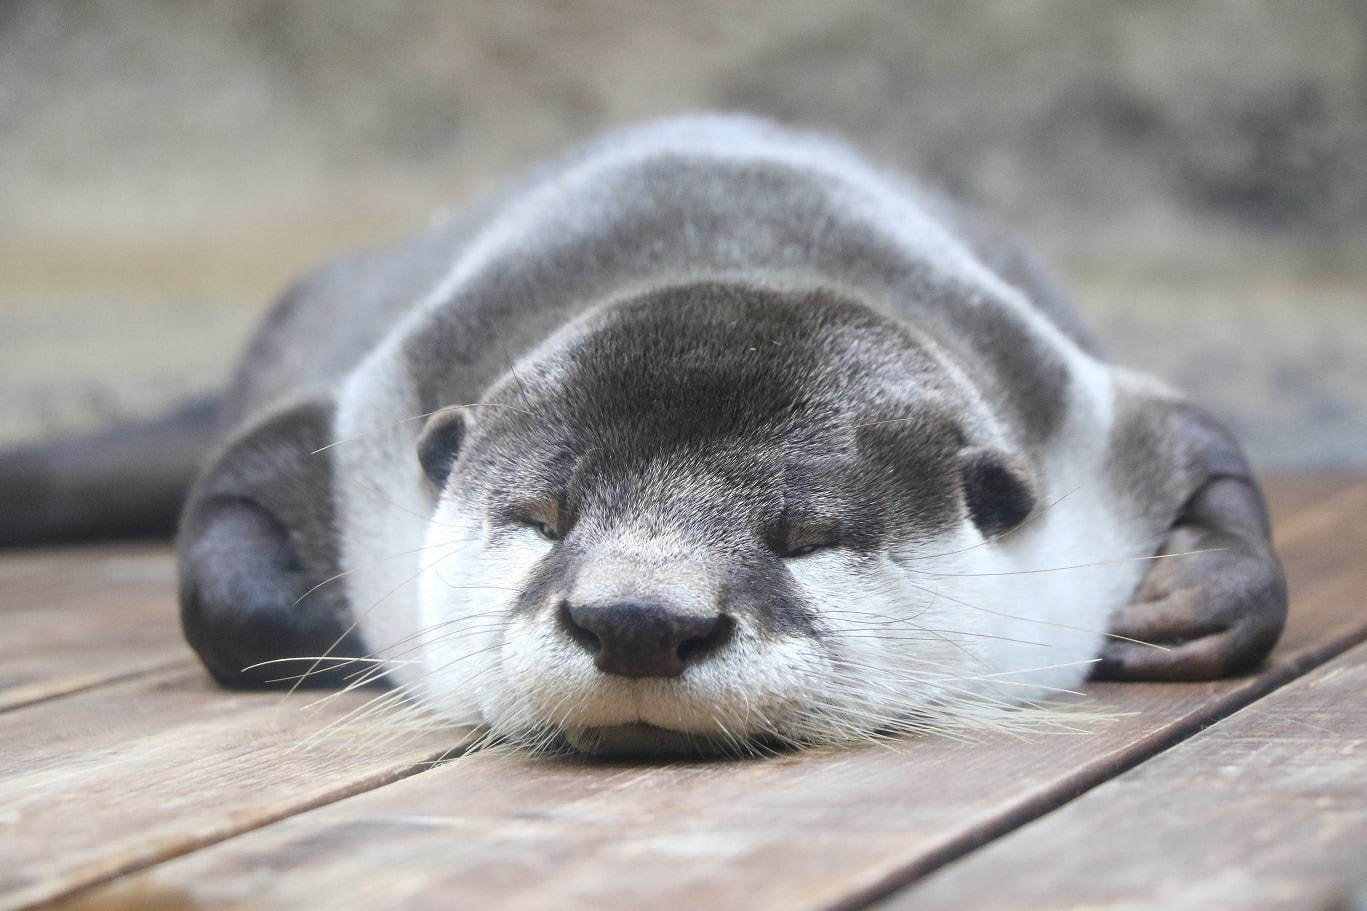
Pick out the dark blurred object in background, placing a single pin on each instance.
(1198, 170)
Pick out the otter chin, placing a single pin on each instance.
(712, 437)
(645, 741)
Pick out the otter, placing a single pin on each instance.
(709, 434)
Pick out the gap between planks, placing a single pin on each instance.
(25, 695)
(78, 618)
(1265, 810)
(1316, 517)
(111, 781)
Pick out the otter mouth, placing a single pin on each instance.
(642, 740)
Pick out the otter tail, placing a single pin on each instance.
(128, 481)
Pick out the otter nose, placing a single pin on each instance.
(643, 640)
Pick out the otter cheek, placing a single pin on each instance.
(878, 633)
(469, 585)
(445, 644)
(842, 598)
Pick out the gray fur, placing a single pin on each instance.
(672, 219)
(707, 330)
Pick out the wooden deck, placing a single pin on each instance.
(128, 781)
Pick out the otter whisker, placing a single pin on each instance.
(398, 710)
(374, 675)
(1076, 629)
(993, 539)
(903, 621)
(339, 663)
(840, 723)
(362, 615)
(836, 723)
(946, 685)
(399, 694)
(1059, 569)
(379, 494)
(454, 621)
(865, 634)
(1028, 670)
(955, 710)
(389, 425)
(944, 682)
(338, 660)
(357, 569)
(387, 664)
(946, 678)
(393, 701)
(1031, 670)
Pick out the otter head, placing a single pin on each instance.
(714, 518)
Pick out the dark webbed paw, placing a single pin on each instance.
(1217, 612)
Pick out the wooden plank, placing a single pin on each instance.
(79, 617)
(1266, 809)
(118, 777)
(1288, 494)
(815, 830)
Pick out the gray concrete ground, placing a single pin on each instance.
(1197, 171)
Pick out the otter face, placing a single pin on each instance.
(703, 528)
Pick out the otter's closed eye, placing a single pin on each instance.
(544, 529)
(543, 516)
(803, 550)
(799, 540)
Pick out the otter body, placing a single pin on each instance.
(712, 434)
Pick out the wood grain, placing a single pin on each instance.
(75, 618)
(1267, 809)
(117, 777)
(823, 829)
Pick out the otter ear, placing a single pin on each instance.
(439, 443)
(996, 488)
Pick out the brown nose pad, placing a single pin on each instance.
(644, 640)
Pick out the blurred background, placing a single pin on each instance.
(1197, 172)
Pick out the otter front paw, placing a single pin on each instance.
(1212, 613)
